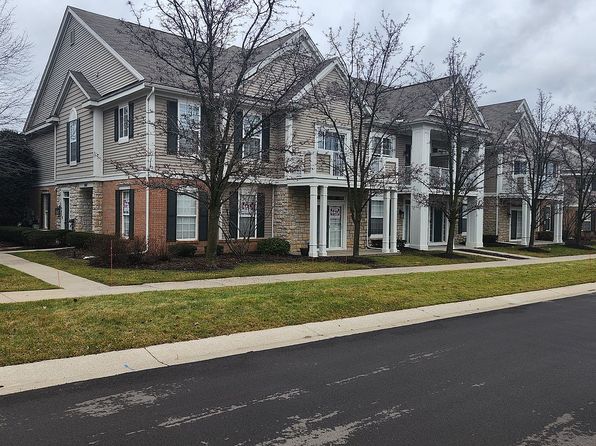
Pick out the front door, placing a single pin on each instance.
(45, 211)
(335, 225)
(437, 226)
(516, 224)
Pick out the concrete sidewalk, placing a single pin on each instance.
(42, 374)
(74, 286)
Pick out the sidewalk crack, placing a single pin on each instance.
(154, 357)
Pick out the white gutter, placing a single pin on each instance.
(147, 167)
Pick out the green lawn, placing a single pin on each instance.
(13, 280)
(35, 331)
(546, 251)
(133, 276)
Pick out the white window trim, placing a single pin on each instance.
(196, 236)
(258, 135)
(123, 139)
(383, 136)
(181, 103)
(325, 129)
(122, 226)
(248, 192)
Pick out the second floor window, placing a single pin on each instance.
(551, 169)
(383, 146)
(189, 126)
(123, 123)
(520, 167)
(73, 132)
(252, 135)
(329, 140)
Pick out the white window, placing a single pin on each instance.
(520, 167)
(375, 221)
(330, 140)
(551, 169)
(189, 127)
(383, 146)
(247, 215)
(125, 213)
(252, 136)
(186, 217)
(123, 123)
(73, 136)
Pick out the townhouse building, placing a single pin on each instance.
(506, 213)
(97, 105)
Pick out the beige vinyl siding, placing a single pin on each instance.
(83, 169)
(134, 150)
(42, 146)
(87, 55)
(490, 177)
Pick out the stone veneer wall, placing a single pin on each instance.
(82, 205)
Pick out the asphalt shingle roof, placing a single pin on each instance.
(502, 117)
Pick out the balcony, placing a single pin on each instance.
(330, 165)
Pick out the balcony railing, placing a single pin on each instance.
(438, 177)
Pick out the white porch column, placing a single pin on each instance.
(312, 244)
(386, 204)
(97, 142)
(558, 224)
(525, 232)
(475, 226)
(323, 222)
(419, 211)
(393, 227)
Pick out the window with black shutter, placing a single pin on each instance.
(172, 127)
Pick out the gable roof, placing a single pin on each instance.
(415, 98)
(504, 116)
(84, 85)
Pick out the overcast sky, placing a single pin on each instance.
(528, 44)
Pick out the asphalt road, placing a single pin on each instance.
(523, 376)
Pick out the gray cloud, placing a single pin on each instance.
(528, 44)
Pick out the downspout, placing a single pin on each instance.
(147, 167)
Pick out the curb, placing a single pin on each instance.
(37, 375)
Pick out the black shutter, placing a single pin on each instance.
(118, 206)
(260, 214)
(203, 216)
(78, 146)
(68, 142)
(233, 212)
(116, 134)
(172, 127)
(266, 126)
(131, 120)
(408, 154)
(238, 133)
(131, 214)
(172, 210)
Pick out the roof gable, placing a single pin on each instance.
(99, 64)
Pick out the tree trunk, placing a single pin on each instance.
(451, 235)
(357, 220)
(213, 233)
(532, 227)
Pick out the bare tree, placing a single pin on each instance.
(14, 66)
(365, 102)
(534, 151)
(578, 158)
(213, 50)
(453, 106)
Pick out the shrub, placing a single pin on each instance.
(81, 240)
(111, 250)
(401, 244)
(545, 235)
(273, 246)
(490, 239)
(13, 234)
(182, 250)
(44, 239)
